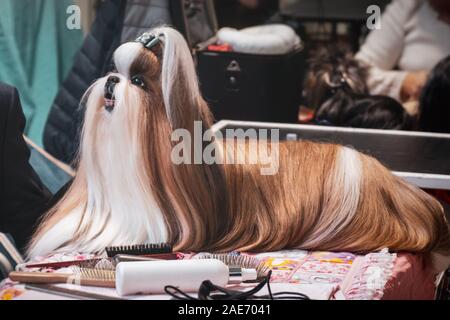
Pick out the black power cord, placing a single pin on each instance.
(209, 291)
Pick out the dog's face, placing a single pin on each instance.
(130, 88)
(332, 69)
(137, 70)
(123, 110)
(151, 91)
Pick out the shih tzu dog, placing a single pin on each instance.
(128, 191)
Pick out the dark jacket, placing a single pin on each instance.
(117, 21)
(61, 133)
(231, 13)
(23, 198)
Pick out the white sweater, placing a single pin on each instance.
(411, 38)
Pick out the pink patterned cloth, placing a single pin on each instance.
(375, 276)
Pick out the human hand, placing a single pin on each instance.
(412, 85)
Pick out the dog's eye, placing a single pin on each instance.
(138, 81)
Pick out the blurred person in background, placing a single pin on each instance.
(413, 38)
(23, 197)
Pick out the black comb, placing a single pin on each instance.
(139, 249)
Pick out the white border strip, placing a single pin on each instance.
(13, 252)
(61, 165)
(223, 123)
(5, 262)
(426, 180)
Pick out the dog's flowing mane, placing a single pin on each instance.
(127, 190)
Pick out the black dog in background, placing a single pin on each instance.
(23, 197)
(364, 111)
(336, 89)
(434, 106)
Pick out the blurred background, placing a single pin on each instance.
(51, 50)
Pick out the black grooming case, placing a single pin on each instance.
(237, 85)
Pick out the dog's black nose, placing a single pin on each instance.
(113, 79)
(109, 86)
(109, 92)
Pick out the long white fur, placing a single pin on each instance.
(119, 195)
(60, 233)
(342, 196)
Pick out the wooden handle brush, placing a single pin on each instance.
(83, 277)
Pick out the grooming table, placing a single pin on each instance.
(320, 275)
(421, 158)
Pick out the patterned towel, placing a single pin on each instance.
(320, 275)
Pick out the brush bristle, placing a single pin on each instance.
(242, 261)
(95, 274)
(104, 263)
(139, 249)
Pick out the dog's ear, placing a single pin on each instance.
(179, 83)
